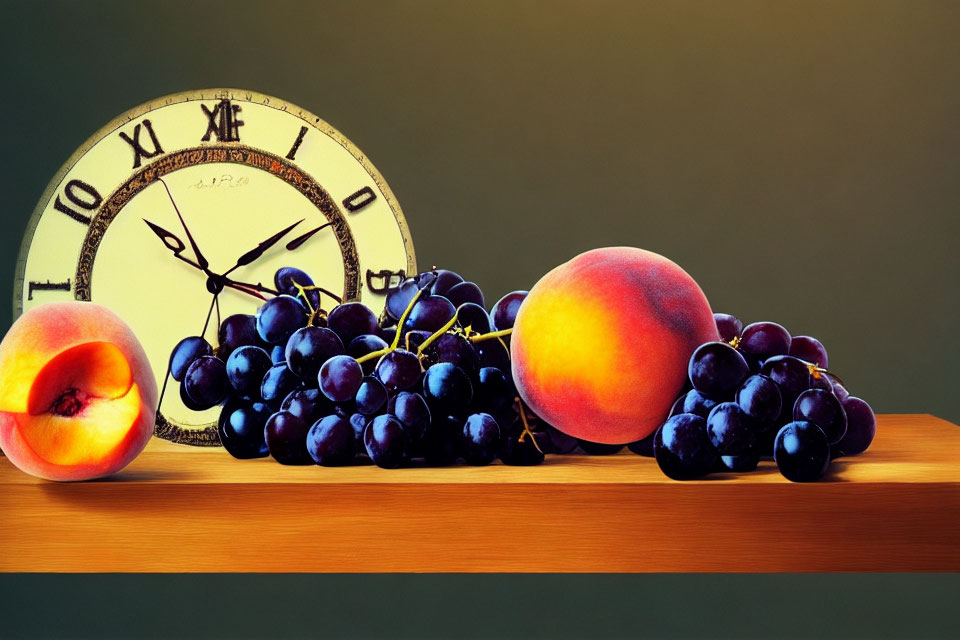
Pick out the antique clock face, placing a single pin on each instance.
(153, 211)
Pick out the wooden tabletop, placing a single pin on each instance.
(183, 509)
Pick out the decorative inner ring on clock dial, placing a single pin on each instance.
(231, 198)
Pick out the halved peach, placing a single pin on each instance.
(77, 394)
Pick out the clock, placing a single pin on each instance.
(181, 210)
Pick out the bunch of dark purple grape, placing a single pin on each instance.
(757, 393)
(428, 381)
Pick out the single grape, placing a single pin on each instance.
(413, 413)
(241, 429)
(560, 443)
(716, 370)
(238, 330)
(286, 437)
(697, 403)
(456, 350)
(352, 319)
(430, 313)
(284, 278)
(206, 381)
(838, 388)
(309, 347)
(644, 447)
(792, 376)
(824, 410)
(340, 378)
(682, 448)
(307, 404)
(861, 427)
(277, 354)
(765, 340)
(399, 299)
(504, 311)
(544, 441)
(728, 326)
(441, 443)
(465, 292)
(809, 349)
(358, 423)
(493, 392)
(189, 402)
(385, 441)
(278, 318)
(278, 383)
(444, 281)
(474, 317)
(371, 396)
(493, 354)
(361, 346)
(741, 462)
(330, 442)
(229, 406)
(425, 279)
(820, 380)
(185, 353)
(246, 367)
(729, 429)
(801, 451)
(398, 370)
(759, 398)
(517, 448)
(481, 439)
(447, 389)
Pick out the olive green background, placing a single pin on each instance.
(800, 160)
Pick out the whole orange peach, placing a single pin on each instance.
(77, 394)
(601, 344)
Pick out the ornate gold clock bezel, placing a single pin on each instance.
(236, 153)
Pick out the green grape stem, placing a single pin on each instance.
(396, 339)
(491, 335)
(436, 334)
(526, 426)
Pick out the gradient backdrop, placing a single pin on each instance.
(800, 160)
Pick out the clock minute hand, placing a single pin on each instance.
(299, 240)
(201, 261)
(260, 249)
(237, 284)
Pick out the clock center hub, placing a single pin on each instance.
(215, 283)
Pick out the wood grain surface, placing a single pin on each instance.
(184, 509)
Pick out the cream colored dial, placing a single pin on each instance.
(234, 168)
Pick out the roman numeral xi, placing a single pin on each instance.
(139, 151)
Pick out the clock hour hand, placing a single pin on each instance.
(172, 242)
(201, 261)
(176, 245)
(261, 248)
(299, 240)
